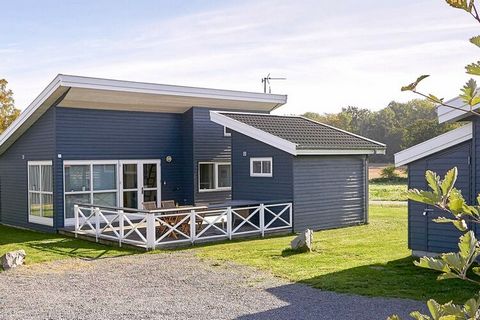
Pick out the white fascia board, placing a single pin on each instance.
(162, 89)
(254, 133)
(44, 95)
(442, 142)
(446, 114)
(340, 152)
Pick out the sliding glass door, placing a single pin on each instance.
(116, 183)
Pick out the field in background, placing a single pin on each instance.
(375, 169)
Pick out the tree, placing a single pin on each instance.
(453, 265)
(8, 112)
(462, 264)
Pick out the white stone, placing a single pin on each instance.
(304, 241)
(13, 259)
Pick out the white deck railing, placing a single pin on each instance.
(154, 228)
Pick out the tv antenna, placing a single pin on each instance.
(266, 81)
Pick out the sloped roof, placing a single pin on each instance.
(108, 94)
(439, 143)
(304, 135)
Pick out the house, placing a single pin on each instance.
(117, 144)
(458, 147)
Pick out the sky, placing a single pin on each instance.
(333, 53)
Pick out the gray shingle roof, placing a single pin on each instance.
(307, 134)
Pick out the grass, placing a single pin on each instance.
(45, 247)
(370, 260)
(387, 191)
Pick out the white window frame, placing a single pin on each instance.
(36, 219)
(264, 175)
(215, 176)
(226, 133)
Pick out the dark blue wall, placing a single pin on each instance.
(37, 143)
(209, 145)
(423, 233)
(244, 187)
(85, 134)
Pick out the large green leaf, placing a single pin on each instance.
(467, 245)
(433, 181)
(449, 181)
(432, 263)
(412, 86)
(423, 196)
(471, 307)
(460, 224)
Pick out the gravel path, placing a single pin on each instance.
(173, 286)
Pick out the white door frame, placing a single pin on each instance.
(140, 187)
(119, 168)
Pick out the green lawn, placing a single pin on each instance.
(368, 260)
(393, 191)
(44, 247)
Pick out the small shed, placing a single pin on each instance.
(323, 170)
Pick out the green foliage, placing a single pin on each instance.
(413, 86)
(452, 265)
(389, 172)
(469, 92)
(447, 311)
(8, 112)
(399, 125)
(462, 4)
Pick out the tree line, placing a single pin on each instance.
(399, 125)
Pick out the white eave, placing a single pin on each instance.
(439, 143)
(281, 143)
(446, 114)
(106, 94)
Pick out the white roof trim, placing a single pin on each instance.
(434, 145)
(340, 151)
(62, 83)
(163, 89)
(446, 114)
(254, 133)
(281, 143)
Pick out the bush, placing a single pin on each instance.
(389, 172)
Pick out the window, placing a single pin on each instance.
(261, 167)
(40, 192)
(90, 182)
(227, 132)
(214, 176)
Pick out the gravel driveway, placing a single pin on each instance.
(173, 286)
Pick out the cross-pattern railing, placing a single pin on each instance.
(154, 228)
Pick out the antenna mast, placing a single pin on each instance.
(266, 81)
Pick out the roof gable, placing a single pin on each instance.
(434, 145)
(297, 135)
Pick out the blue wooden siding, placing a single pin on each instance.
(38, 143)
(329, 191)
(209, 145)
(423, 233)
(244, 187)
(85, 134)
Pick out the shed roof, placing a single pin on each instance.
(439, 143)
(97, 93)
(297, 135)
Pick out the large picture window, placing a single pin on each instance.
(90, 182)
(261, 167)
(213, 176)
(40, 192)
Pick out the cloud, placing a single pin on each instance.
(333, 54)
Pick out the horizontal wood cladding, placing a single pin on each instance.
(423, 233)
(209, 145)
(244, 187)
(329, 191)
(37, 143)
